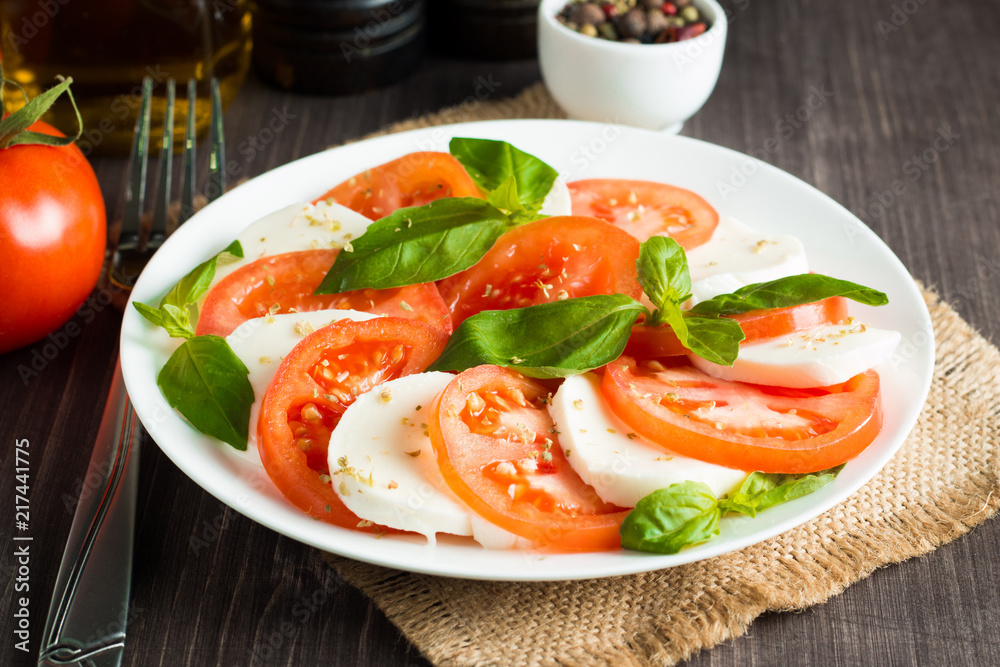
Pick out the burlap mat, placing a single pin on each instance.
(944, 480)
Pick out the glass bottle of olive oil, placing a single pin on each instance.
(108, 46)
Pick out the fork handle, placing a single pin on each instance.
(89, 608)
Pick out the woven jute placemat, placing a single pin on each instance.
(944, 480)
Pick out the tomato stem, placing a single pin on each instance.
(14, 128)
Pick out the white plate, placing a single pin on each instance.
(760, 195)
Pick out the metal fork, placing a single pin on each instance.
(88, 614)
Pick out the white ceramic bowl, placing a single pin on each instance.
(653, 86)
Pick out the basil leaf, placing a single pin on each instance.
(152, 314)
(716, 339)
(670, 519)
(208, 384)
(790, 291)
(492, 163)
(176, 321)
(417, 245)
(663, 272)
(760, 491)
(549, 340)
(174, 313)
(193, 286)
(505, 196)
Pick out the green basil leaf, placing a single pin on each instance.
(150, 313)
(545, 341)
(174, 313)
(491, 163)
(670, 519)
(193, 286)
(505, 196)
(208, 384)
(176, 321)
(663, 272)
(760, 491)
(716, 339)
(417, 245)
(790, 291)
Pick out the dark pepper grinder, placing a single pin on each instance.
(337, 46)
(483, 29)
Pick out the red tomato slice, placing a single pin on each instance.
(492, 436)
(546, 260)
(651, 342)
(745, 426)
(281, 283)
(644, 209)
(412, 180)
(310, 392)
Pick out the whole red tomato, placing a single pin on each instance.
(52, 237)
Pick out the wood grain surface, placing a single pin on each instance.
(890, 107)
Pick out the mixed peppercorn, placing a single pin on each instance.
(635, 21)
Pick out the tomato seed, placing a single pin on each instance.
(311, 413)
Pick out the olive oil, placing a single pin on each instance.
(109, 46)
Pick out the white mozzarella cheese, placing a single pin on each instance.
(815, 358)
(383, 464)
(294, 228)
(622, 468)
(491, 536)
(736, 256)
(261, 343)
(558, 201)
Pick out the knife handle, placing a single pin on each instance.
(89, 608)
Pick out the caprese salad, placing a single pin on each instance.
(461, 343)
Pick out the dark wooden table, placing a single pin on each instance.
(856, 95)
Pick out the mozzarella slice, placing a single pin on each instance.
(261, 344)
(491, 536)
(294, 228)
(815, 358)
(622, 469)
(558, 201)
(383, 465)
(736, 256)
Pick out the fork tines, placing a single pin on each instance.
(134, 248)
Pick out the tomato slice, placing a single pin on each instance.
(543, 261)
(285, 283)
(498, 451)
(645, 208)
(312, 388)
(652, 342)
(412, 180)
(744, 426)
